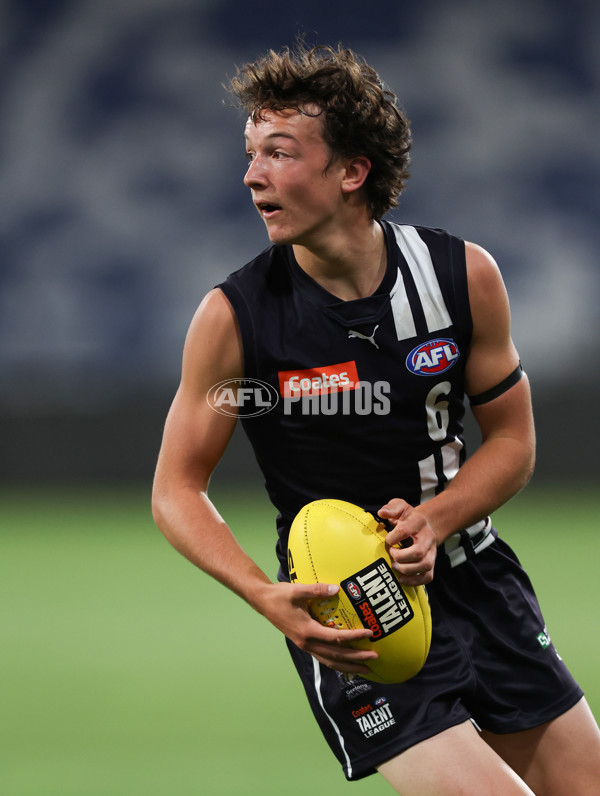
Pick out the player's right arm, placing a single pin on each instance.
(195, 438)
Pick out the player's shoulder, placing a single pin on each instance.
(483, 273)
(214, 320)
(488, 297)
(479, 259)
(213, 348)
(214, 309)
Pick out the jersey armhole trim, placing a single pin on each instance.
(244, 319)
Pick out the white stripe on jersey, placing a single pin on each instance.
(430, 483)
(419, 261)
(450, 464)
(403, 317)
(317, 671)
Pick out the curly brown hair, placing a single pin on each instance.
(360, 115)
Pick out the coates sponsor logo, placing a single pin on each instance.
(362, 710)
(433, 357)
(242, 397)
(318, 381)
(353, 590)
(385, 607)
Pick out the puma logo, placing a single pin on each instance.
(370, 338)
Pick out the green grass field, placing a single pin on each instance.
(125, 672)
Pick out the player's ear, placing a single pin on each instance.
(356, 172)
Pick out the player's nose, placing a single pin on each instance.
(256, 175)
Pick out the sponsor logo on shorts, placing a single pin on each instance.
(545, 642)
(382, 607)
(242, 397)
(353, 685)
(433, 357)
(374, 718)
(544, 639)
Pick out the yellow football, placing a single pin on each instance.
(332, 541)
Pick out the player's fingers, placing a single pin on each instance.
(415, 574)
(341, 652)
(338, 637)
(398, 537)
(417, 548)
(345, 659)
(394, 509)
(408, 562)
(344, 666)
(418, 579)
(304, 592)
(414, 565)
(334, 647)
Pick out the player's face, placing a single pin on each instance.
(295, 183)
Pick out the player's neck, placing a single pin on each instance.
(349, 265)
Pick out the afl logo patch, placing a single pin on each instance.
(433, 357)
(353, 590)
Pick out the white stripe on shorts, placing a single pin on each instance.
(317, 670)
(453, 544)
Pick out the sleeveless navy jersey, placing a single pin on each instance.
(370, 392)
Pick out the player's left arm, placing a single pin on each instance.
(503, 463)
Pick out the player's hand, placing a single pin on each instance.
(414, 562)
(288, 610)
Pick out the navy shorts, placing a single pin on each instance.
(491, 660)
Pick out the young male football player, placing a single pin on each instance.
(370, 334)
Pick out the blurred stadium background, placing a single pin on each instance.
(123, 203)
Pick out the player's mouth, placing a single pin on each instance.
(267, 210)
